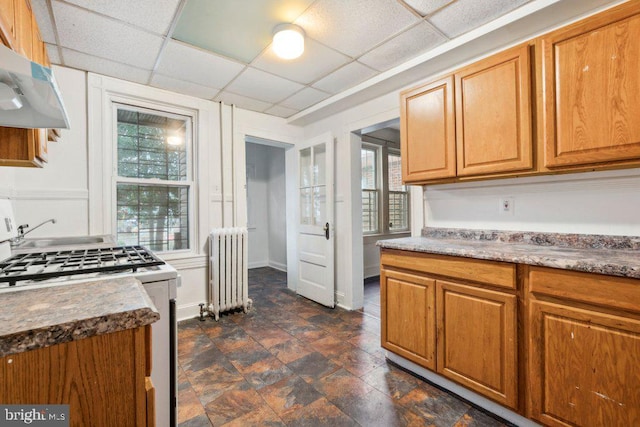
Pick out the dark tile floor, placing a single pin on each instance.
(292, 362)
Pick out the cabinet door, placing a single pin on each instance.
(24, 27)
(493, 114)
(7, 18)
(477, 340)
(427, 132)
(408, 316)
(590, 85)
(583, 367)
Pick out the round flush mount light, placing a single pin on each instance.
(288, 41)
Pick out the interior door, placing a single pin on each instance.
(315, 255)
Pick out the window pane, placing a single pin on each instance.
(319, 205)
(305, 167)
(368, 169)
(155, 216)
(152, 146)
(398, 211)
(369, 211)
(395, 173)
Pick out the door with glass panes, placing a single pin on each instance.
(315, 228)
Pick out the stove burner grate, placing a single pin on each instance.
(47, 265)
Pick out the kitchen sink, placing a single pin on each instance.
(65, 241)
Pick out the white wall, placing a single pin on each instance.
(605, 202)
(266, 203)
(60, 189)
(258, 204)
(277, 209)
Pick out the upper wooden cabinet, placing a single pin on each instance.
(427, 129)
(19, 31)
(493, 114)
(590, 84)
(7, 22)
(474, 122)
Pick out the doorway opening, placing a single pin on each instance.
(266, 203)
(385, 202)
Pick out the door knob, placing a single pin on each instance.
(326, 231)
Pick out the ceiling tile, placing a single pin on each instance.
(242, 101)
(103, 37)
(403, 47)
(263, 86)
(466, 15)
(354, 26)
(152, 15)
(202, 67)
(43, 17)
(54, 55)
(94, 64)
(183, 86)
(305, 98)
(214, 24)
(346, 77)
(425, 7)
(316, 61)
(279, 111)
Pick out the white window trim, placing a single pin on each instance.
(102, 93)
(189, 182)
(382, 179)
(378, 189)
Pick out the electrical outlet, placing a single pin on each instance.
(506, 206)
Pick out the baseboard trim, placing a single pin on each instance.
(257, 264)
(278, 266)
(371, 271)
(469, 395)
(188, 311)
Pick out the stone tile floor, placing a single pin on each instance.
(291, 362)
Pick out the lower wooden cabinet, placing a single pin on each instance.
(558, 346)
(477, 346)
(463, 331)
(408, 319)
(584, 349)
(102, 378)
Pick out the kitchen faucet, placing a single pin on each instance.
(21, 233)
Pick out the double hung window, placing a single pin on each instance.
(385, 200)
(154, 179)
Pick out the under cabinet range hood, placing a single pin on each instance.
(29, 94)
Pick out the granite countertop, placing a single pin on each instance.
(39, 317)
(609, 255)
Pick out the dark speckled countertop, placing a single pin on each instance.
(609, 255)
(44, 316)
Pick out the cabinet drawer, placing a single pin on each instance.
(609, 291)
(500, 274)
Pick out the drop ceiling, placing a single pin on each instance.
(220, 49)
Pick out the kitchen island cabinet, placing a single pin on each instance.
(85, 345)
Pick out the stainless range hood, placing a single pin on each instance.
(29, 94)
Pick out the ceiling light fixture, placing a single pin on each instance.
(288, 41)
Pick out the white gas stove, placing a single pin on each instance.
(23, 270)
